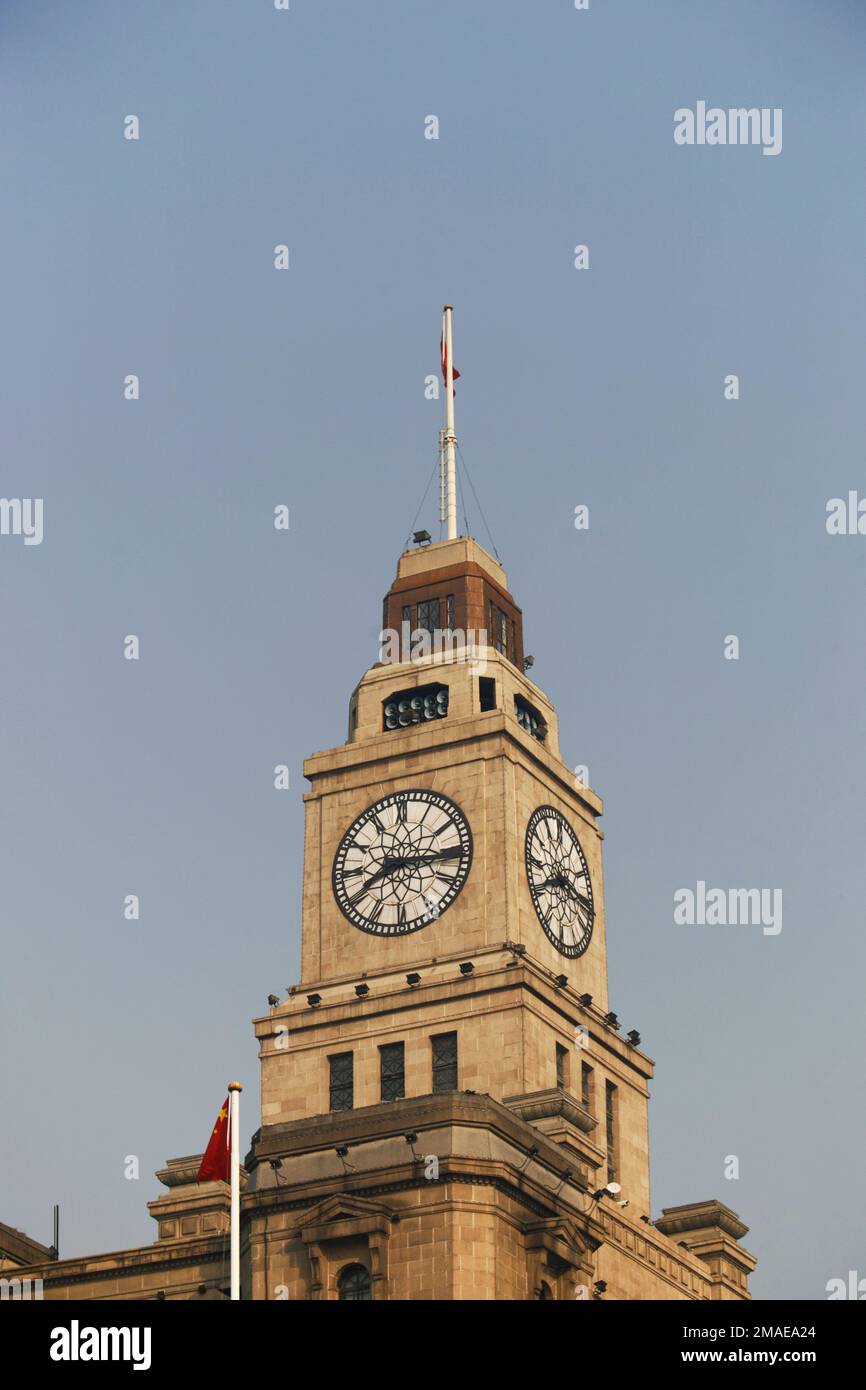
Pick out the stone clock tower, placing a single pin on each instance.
(449, 1109)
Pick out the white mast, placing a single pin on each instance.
(235, 1089)
(450, 436)
(443, 505)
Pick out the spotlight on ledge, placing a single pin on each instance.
(414, 978)
(611, 1020)
(612, 1189)
(313, 1000)
(342, 1151)
(518, 948)
(528, 663)
(411, 1138)
(362, 991)
(275, 1164)
(634, 1037)
(599, 1288)
(646, 1219)
(467, 967)
(586, 1000)
(421, 538)
(562, 981)
(273, 1000)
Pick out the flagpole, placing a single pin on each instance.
(450, 437)
(235, 1089)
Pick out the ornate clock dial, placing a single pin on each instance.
(402, 863)
(559, 881)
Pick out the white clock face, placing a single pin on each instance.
(402, 863)
(559, 881)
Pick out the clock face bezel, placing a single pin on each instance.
(369, 856)
(549, 916)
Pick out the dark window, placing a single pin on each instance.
(342, 1089)
(529, 718)
(445, 1062)
(499, 629)
(449, 612)
(407, 615)
(561, 1066)
(428, 615)
(392, 1071)
(586, 1086)
(487, 692)
(610, 1121)
(416, 706)
(353, 1285)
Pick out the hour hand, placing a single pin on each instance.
(387, 868)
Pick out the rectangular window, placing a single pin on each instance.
(487, 692)
(529, 718)
(445, 1062)
(562, 1067)
(449, 612)
(586, 1086)
(498, 629)
(610, 1121)
(341, 1081)
(392, 1071)
(428, 615)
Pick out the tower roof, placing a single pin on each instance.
(455, 585)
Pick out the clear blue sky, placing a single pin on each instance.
(601, 387)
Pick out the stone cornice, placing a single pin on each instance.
(495, 732)
(701, 1216)
(542, 1105)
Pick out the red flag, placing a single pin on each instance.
(215, 1163)
(443, 348)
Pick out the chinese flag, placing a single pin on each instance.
(443, 348)
(215, 1163)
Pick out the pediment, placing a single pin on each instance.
(346, 1208)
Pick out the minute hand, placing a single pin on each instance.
(560, 881)
(418, 859)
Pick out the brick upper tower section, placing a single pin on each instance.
(455, 584)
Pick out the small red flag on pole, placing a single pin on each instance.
(215, 1164)
(443, 349)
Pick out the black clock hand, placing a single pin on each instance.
(560, 881)
(418, 859)
(387, 868)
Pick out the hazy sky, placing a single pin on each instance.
(602, 387)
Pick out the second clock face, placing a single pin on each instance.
(402, 863)
(559, 881)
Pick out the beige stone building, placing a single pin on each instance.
(449, 1110)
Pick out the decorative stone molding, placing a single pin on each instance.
(348, 1222)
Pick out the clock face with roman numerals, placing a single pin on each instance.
(402, 863)
(559, 881)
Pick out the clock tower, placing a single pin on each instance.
(449, 1109)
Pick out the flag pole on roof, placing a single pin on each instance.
(450, 438)
(235, 1089)
(221, 1162)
